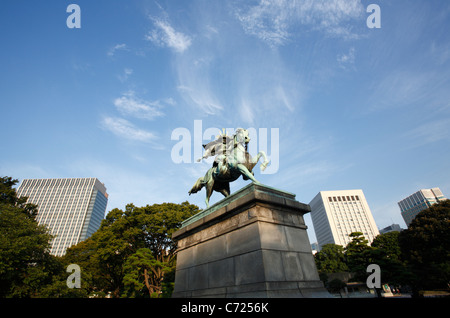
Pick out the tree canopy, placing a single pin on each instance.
(425, 245)
(25, 260)
(418, 257)
(331, 259)
(132, 254)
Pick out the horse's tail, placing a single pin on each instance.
(197, 186)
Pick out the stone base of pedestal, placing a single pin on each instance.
(251, 244)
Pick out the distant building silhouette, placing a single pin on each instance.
(419, 201)
(391, 228)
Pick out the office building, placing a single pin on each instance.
(336, 214)
(391, 228)
(72, 208)
(419, 201)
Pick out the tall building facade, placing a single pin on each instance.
(416, 202)
(336, 214)
(72, 208)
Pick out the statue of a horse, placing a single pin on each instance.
(232, 160)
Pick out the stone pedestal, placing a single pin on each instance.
(251, 244)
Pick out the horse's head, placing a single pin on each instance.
(241, 136)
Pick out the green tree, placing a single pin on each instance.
(159, 222)
(92, 279)
(388, 243)
(132, 254)
(336, 285)
(387, 254)
(331, 259)
(425, 245)
(358, 255)
(142, 274)
(25, 262)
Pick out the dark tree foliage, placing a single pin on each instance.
(25, 262)
(425, 246)
(132, 254)
(358, 255)
(331, 259)
(418, 257)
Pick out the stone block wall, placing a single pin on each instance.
(254, 246)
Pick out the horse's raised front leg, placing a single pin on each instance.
(266, 161)
(255, 160)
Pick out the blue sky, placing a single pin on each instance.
(356, 108)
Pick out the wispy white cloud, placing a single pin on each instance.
(437, 130)
(129, 104)
(267, 92)
(282, 96)
(267, 21)
(192, 68)
(125, 129)
(169, 101)
(246, 112)
(272, 21)
(346, 61)
(125, 75)
(196, 80)
(165, 35)
(212, 78)
(305, 171)
(117, 47)
(408, 88)
(202, 97)
(210, 31)
(440, 52)
(267, 105)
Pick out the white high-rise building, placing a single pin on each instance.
(416, 202)
(72, 208)
(336, 214)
